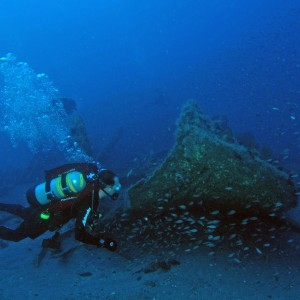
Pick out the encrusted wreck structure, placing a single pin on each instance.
(207, 166)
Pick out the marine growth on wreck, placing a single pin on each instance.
(209, 193)
(209, 167)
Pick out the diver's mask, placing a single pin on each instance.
(112, 191)
(109, 183)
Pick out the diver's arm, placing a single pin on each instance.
(85, 230)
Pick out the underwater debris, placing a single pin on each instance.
(160, 265)
(223, 173)
(85, 274)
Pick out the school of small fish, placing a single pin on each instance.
(191, 227)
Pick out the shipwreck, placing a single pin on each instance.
(208, 167)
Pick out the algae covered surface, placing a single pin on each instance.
(208, 165)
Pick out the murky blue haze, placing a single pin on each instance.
(131, 64)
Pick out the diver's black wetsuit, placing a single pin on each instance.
(34, 226)
(30, 227)
(82, 208)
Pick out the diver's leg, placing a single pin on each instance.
(15, 209)
(14, 235)
(31, 229)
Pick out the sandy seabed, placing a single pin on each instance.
(80, 271)
(86, 272)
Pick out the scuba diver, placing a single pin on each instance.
(70, 191)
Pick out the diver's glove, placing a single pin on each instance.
(109, 244)
(92, 223)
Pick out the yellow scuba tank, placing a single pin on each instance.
(64, 186)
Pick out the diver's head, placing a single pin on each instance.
(109, 184)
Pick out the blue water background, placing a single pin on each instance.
(130, 65)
